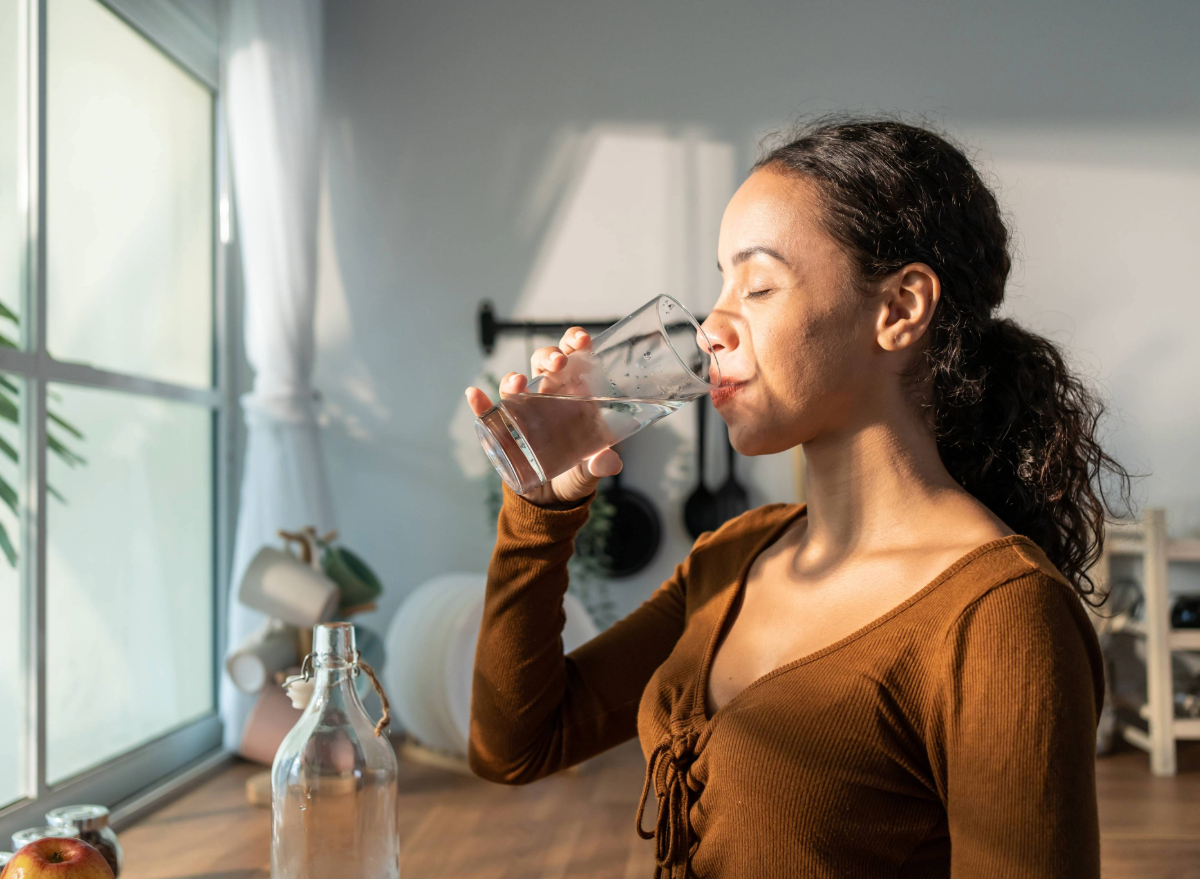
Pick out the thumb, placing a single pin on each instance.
(581, 480)
(606, 462)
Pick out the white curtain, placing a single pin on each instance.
(273, 102)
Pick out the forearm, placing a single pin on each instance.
(535, 711)
(520, 678)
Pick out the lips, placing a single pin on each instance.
(727, 389)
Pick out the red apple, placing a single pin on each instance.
(57, 858)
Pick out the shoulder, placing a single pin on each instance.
(1001, 571)
(718, 556)
(748, 530)
(1014, 609)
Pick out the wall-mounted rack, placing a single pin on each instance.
(490, 327)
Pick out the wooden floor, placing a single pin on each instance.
(580, 825)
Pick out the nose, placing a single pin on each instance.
(716, 335)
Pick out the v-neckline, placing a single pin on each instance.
(700, 699)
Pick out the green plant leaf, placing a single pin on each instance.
(10, 552)
(10, 411)
(8, 451)
(8, 495)
(74, 431)
(68, 457)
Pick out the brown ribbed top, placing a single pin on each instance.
(954, 735)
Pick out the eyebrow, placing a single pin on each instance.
(742, 255)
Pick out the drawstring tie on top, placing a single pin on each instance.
(668, 769)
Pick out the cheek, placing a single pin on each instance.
(812, 356)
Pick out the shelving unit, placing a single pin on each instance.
(1148, 539)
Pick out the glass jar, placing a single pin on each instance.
(22, 838)
(333, 783)
(92, 823)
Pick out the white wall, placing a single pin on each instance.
(571, 160)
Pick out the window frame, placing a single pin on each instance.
(136, 780)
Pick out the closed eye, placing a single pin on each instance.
(755, 293)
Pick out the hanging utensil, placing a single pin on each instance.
(731, 498)
(635, 533)
(700, 509)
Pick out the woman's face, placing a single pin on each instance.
(795, 340)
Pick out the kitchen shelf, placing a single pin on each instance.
(1184, 727)
(1179, 639)
(1128, 540)
(1148, 540)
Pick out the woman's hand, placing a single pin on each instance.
(580, 480)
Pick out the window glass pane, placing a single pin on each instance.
(129, 573)
(129, 201)
(13, 644)
(13, 134)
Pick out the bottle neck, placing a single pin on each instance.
(333, 671)
(332, 677)
(333, 661)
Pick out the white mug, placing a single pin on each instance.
(281, 586)
(270, 649)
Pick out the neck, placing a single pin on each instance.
(867, 484)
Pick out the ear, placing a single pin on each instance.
(908, 298)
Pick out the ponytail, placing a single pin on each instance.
(1018, 430)
(1014, 426)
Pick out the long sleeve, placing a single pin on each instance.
(1015, 723)
(534, 710)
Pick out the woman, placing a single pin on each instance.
(898, 678)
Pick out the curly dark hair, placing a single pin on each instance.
(1014, 426)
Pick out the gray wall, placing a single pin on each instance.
(572, 159)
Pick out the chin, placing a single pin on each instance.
(752, 434)
(750, 442)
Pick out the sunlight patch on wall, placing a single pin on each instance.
(637, 216)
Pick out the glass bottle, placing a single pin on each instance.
(92, 823)
(22, 838)
(333, 783)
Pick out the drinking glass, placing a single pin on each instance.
(642, 368)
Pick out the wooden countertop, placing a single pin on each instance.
(576, 824)
(580, 824)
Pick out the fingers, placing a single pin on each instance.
(553, 358)
(513, 383)
(547, 360)
(478, 401)
(575, 339)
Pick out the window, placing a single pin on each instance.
(115, 408)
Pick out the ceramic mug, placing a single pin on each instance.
(270, 649)
(281, 586)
